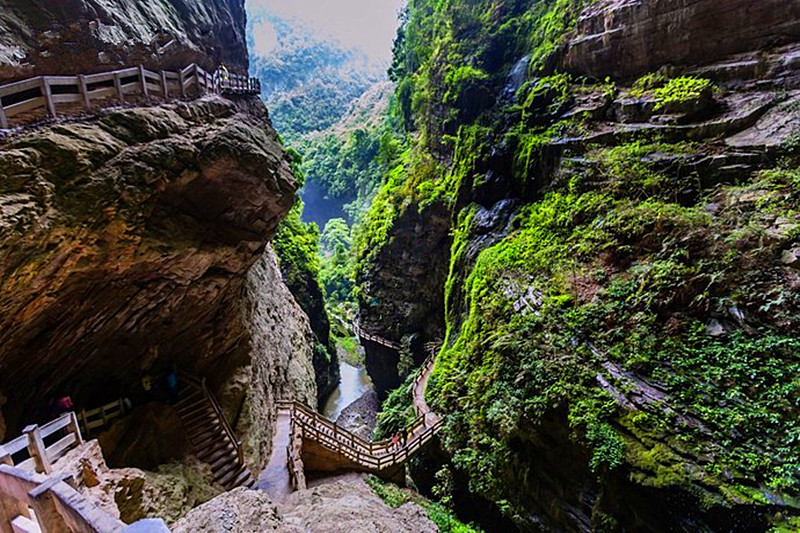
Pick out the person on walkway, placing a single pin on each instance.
(172, 385)
(404, 437)
(64, 405)
(395, 441)
(147, 387)
(225, 75)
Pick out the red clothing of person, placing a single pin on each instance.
(64, 404)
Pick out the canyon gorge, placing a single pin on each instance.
(545, 272)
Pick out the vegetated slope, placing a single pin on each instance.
(613, 261)
(330, 105)
(327, 102)
(347, 160)
(307, 83)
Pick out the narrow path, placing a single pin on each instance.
(274, 480)
(350, 452)
(420, 404)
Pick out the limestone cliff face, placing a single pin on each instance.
(627, 38)
(609, 242)
(83, 36)
(402, 297)
(125, 247)
(281, 343)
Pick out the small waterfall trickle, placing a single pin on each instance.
(516, 77)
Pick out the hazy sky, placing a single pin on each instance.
(369, 25)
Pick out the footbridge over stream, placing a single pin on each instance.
(306, 442)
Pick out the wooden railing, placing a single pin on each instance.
(374, 456)
(49, 92)
(294, 460)
(30, 451)
(101, 416)
(33, 502)
(392, 345)
(223, 420)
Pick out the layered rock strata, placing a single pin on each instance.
(126, 247)
(86, 36)
(626, 38)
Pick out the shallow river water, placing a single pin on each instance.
(355, 382)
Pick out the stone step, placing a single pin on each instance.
(210, 426)
(188, 399)
(244, 479)
(199, 417)
(204, 440)
(223, 474)
(228, 475)
(214, 447)
(192, 408)
(221, 460)
(222, 443)
(197, 422)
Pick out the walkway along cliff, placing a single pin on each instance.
(33, 498)
(23, 100)
(314, 444)
(137, 211)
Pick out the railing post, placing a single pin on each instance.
(142, 76)
(197, 79)
(48, 97)
(5, 457)
(45, 507)
(182, 80)
(84, 90)
(85, 421)
(3, 118)
(37, 450)
(11, 508)
(118, 87)
(164, 87)
(75, 428)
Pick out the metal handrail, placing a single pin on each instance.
(226, 427)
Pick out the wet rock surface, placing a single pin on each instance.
(361, 416)
(84, 36)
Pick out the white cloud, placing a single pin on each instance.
(369, 25)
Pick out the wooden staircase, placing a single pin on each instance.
(211, 436)
(320, 445)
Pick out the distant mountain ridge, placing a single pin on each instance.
(308, 83)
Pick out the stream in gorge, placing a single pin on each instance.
(354, 384)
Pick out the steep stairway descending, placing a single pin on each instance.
(322, 446)
(210, 434)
